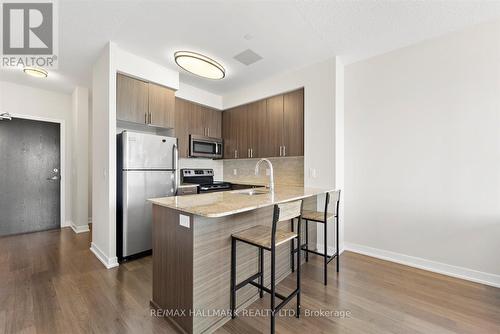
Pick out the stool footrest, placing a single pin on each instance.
(330, 257)
(248, 280)
(286, 300)
(257, 285)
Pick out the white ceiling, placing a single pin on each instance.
(287, 34)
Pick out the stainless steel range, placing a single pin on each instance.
(204, 178)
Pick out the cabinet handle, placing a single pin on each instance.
(284, 151)
(208, 131)
(150, 118)
(145, 118)
(251, 152)
(281, 148)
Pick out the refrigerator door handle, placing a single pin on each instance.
(176, 168)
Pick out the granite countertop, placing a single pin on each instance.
(225, 203)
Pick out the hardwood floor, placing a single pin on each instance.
(51, 283)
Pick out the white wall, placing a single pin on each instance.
(319, 82)
(112, 60)
(422, 143)
(28, 102)
(103, 206)
(191, 93)
(80, 156)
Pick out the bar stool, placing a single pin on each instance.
(268, 238)
(320, 217)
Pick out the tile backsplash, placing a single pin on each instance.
(287, 171)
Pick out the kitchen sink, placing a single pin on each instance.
(252, 192)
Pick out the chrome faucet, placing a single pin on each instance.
(271, 177)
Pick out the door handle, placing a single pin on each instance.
(54, 178)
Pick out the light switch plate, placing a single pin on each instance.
(184, 220)
(235, 171)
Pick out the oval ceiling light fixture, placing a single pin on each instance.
(199, 65)
(35, 71)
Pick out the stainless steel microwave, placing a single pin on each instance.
(205, 147)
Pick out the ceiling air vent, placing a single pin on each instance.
(247, 57)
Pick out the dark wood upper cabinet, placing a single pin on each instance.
(274, 126)
(228, 135)
(194, 119)
(242, 131)
(293, 123)
(161, 106)
(183, 115)
(143, 102)
(212, 119)
(256, 124)
(131, 99)
(234, 141)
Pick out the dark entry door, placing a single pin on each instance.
(29, 176)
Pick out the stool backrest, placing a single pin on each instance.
(289, 210)
(285, 212)
(332, 196)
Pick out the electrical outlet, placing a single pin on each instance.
(184, 220)
(235, 171)
(312, 173)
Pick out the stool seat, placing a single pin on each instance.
(260, 235)
(316, 216)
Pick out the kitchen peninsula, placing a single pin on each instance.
(191, 251)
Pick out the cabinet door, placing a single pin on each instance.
(228, 134)
(131, 99)
(242, 131)
(274, 126)
(197, 124)
(183, 115)
(161, 106)
(213, 122)
(293, 123)
(256, 124)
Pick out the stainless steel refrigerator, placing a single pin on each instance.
(146, 168)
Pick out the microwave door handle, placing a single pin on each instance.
(216, 147)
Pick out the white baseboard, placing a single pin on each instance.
(417, 262)
(80, 229)
(66, 223)
(108, 262)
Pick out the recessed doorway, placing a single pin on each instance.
(30, 176)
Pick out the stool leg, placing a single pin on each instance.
(292, 246)
(233, 278)
(273, 286)
(338, 246)
(326, 256)
(297, 311)
(261, 270)
(307, 241)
